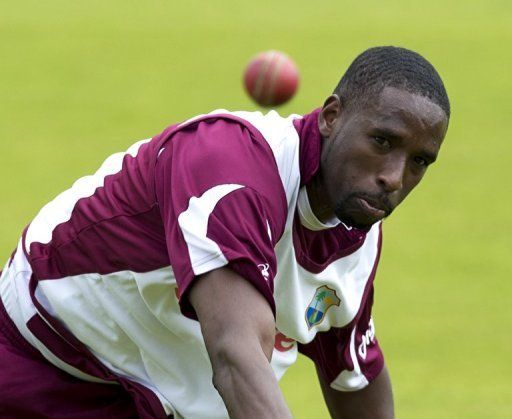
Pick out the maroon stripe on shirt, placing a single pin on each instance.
(309, 146)
(117, 228)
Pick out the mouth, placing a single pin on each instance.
(371, 208)
(362, 210)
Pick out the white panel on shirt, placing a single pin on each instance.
(295, 287)
(283, 139)
(133, 324)
(14, 292)
(205, 255)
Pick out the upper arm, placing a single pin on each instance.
(238, 327)
(233, 314)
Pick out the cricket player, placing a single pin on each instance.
(183, 278)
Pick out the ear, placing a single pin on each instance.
(329, 115)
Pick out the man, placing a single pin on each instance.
(185, 275)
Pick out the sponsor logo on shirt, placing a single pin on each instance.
(323, 299)
(283, 343)
(367, 338)
(264, 267)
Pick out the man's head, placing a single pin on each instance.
(381, 128)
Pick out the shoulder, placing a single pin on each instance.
(277, 134)
(245, 148)
(222, 130)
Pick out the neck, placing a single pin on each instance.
(318, 199)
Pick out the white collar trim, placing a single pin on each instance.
(308, 218)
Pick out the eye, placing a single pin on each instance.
(420, 161)
(382, 142)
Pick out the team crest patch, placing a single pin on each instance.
(323, 299)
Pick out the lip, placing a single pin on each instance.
(370, 209)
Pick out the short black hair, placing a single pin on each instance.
(388, 66)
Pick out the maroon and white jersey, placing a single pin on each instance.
(99, 281)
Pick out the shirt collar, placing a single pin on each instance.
(310, 142)
(308, 218)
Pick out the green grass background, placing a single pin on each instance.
(81, 80)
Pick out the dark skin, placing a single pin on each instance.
(372, 157)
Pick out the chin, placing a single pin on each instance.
(359, 222)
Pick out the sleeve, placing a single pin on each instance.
(348, 358)
(222, 203)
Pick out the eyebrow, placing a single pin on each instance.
(389, 133)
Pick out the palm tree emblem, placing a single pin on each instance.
(322, 300)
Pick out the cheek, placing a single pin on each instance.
(343, 180)
(359, 172)
(347, 168)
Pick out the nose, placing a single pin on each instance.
(391, 177)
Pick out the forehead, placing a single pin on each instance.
(410, 113)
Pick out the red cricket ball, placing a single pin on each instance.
(271, 78)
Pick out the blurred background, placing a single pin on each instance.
(81, 80)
